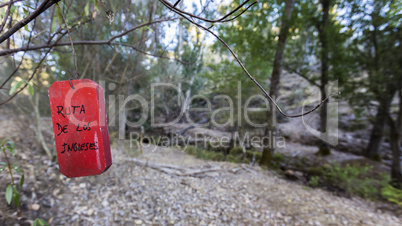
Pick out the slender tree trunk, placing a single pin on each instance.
(399, 120)
(396, 144)
(396, 153)
(324, 64)
(35, 104)
(275, 79)
(323, 38)
(372, 150)
(395, 140)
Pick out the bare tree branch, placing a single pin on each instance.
(102, 42)
(71, 41)
(149, 54)
(6, 16)
(50, 27)
(6, 3)
(241, 12)
(221, 20)
(178, 1)
(43, 7)
(22, 58)
(30, 78)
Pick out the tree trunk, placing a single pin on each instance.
(399, 120)
(396, 144)
(396, 153)
(323, 38)
(324, 65)
(372, 150)
(275, 79)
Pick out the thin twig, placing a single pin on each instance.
(34, 72)
(44, 6)
(6, 16)
(22, 58)
(30, 78)
(221, 20)
(50, 27)
(178, 1)
(149, 54)
(240, 13)
(6, 3)
(44, 46)
(71, 41)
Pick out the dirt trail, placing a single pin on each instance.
(133, 194)
(238, 194)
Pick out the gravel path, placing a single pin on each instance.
(236, 194)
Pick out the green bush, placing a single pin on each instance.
(205, 154)
(323, 151)
(355, 180)
(191, 150)
(315, 171)
(278, 157)
(234, 159)
(392, 194)
(218, 157)
(236, 155)
(201, 154)
(258, 156)
(314, 181)
(236, 151)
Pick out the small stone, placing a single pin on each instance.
(35, 207)
(90, 212)
(105, 203)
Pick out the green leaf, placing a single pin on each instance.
(16, 196)
(86, 9)
(12, 9)
(4, 141)
(27, 5)
(10, 144)
(59, 16)
(40, 222)
(22, 180)
(31, 89)
(2, 168)
(15, 87)
(150, 29)
(17, 169)
(9, 193)
(10, 147)
(3, 163)
(26, 12)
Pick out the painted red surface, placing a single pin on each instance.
(80, 127)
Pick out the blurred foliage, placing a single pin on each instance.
(355, 179)
(392, 194)
(13, 189)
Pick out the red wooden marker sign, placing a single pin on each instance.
(80, 127)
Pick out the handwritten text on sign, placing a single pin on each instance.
(80, 127)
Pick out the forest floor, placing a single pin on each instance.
(184, 190)
(165, 185)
